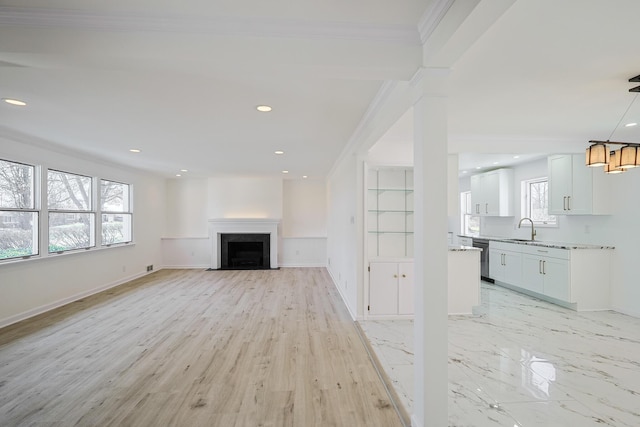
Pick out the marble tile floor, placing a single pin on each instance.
(525, 362)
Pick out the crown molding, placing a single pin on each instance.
(222, 26)
(432, 17)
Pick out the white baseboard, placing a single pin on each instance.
(186, 267)
(415, 422)
(344, 299)
(302, 264)
(48, 307)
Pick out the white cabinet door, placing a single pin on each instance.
(532, 277)
(496, 270)
(383, 288)
(556, 278)
(477, 197)
(491, 191)
(512, 265)
(405, 288)
(560, 183)
(581, 198)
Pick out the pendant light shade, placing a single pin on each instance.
(629, 157)
(614, 163)
(597, 155)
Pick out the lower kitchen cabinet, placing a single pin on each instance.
(547, 272)
(578, 278)
(505, 262)
(390, 288)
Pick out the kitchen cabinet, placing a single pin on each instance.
(575, 189)
(492, 193)
(505, 262)
(578, 278)
(546, 271)
(390, 288)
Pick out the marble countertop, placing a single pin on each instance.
(558, 245)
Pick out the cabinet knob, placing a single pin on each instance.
(395, 275)
(404, 275)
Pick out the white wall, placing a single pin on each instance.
(300, 204)
(244, 198)
(32, 286)
(304, 208)
(304, 223)
(187, 208)
(343, 242)
(621, 229)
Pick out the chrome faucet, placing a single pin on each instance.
(533, 232)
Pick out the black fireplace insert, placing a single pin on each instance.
(244, 251)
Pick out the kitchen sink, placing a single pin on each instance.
(521, 240)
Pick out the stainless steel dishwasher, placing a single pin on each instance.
(484, 257)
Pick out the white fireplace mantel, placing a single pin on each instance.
(243, 225)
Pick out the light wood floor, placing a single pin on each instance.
(195, 348)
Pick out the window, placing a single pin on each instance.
(115, 206)
(470, 224)
(18, 214)
(536, 201)
(71, 218)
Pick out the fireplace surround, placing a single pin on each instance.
(242, 228)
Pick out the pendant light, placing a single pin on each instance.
(597, 155)
(629, 157)
(614, 163)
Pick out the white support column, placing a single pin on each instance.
(431, 248)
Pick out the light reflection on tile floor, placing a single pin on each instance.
(543, 365)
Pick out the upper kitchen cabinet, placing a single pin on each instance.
(492, 193)
(575, 189)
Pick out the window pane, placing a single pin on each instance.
(66, 191)
(116, 228)
(16, 185)
(539, 203)
(114, 196)
(70, 231)
(18, 234)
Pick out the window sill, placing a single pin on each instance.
(54, 255)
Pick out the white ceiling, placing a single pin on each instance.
(180, 80)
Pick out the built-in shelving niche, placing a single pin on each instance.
(390, 212)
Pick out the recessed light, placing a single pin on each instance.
(134, 150)
(16, 102)
(178, 174)
(464, 171)
(305, 176)
(263, 108)
(278, 152)
(183, 170)
(495, 163)
(478, 167)
(516, 157)
(631, 124)
(285, 171)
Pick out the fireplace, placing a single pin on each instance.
(244, 251)
(241, 228)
